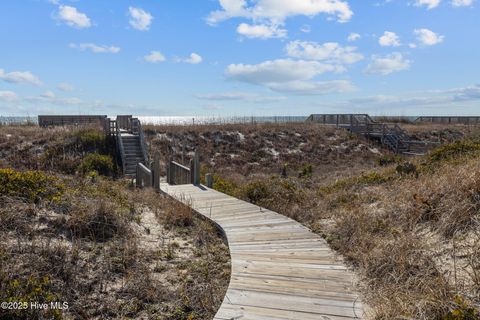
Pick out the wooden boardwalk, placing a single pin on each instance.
(280, 269)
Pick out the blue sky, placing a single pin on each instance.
(239, 57)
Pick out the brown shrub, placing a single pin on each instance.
(98, 221)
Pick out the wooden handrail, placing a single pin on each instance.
(143, 176)
(178, 173)
(121, 148)
(137, 129)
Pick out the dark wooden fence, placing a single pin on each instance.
(474, 120)
(63, 120)
(178, 173)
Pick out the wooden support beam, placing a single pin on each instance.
(156, 171)
(209, 180)
(196, 169)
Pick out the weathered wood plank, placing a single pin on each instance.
(280, 269)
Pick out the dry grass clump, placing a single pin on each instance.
(94, 242)
(410, 229)
(202, 290)
(413, 240)
(259, 150)
(175, 214)
(59, 149)
(98, 221)
(15, 215)
(93, 250)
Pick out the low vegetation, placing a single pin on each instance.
(102, 164)
(408, 226)
(70, 232)
(33, 186)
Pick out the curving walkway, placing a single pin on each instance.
(280, 269)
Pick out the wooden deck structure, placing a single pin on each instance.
(467, 120)
(64, 120)
(391, 136)
(280, 269)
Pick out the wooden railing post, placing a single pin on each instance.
(143, 176)
(156, 171)
(196, 169)
(147, 179)
(209, 180)
(138, 178)
(192, 169)
(170, 171)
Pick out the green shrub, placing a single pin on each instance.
(370, 178)
(224, 186)
(406, 168)
(256, 191)
(462, 311)
(102, 164)
(453, 150)
(306, 171)
(32, 186)
(90, 140)
(387, 159)
(24, 291)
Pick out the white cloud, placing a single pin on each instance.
(353, 37)
(8, 96)
(261, 31)
(385, 65)
(281, 70)
(462, 3)
(194, 59)
(154, 57)
(240, 96)
(306, 29)
(466, 93)
(74, 18)
(389, 39)
(21, 77)
(48, 95)
(428, 37)
(66, 87)
(94, 48)
(50, 98)
(331, 52)
(433, 98)
(140, 19)
(278, 10)
(314, 87)
(430, 4)
(286, 75)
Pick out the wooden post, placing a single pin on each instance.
(156, 171)
(183, 152)
(170, 171)
(196, 169)
(192, 169)
(209, 180)
(147, 178)
(138, 177)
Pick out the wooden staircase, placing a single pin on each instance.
(392, 136)
(132, 153)
(131, 147)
